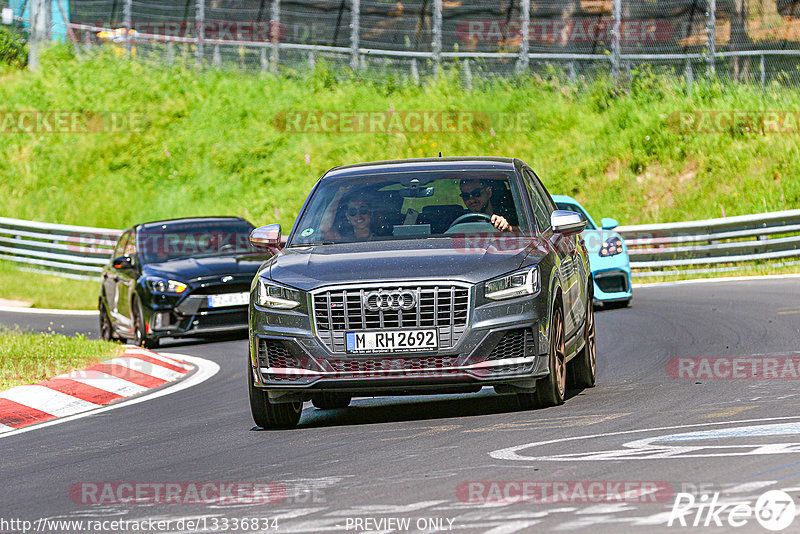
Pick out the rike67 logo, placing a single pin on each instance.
(774, 510)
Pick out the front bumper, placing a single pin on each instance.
(191, 317)
(503, 344)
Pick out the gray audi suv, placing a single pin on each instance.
(423, 276)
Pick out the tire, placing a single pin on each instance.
(268, 415)
(331, 401)
(140, 338)
(106, 329)
(550, 390)
(583, 368)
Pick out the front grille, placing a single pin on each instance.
(514, 344)
(220, 288)
(235, 318)
(441, 306)
(425, 366)
(614, 283)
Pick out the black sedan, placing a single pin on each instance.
(178, 278)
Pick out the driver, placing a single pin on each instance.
(477, 197)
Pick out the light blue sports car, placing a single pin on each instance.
(608, 256)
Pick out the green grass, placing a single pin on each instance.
(27, 358)
(210, 144)
(46, 291)
(762, 269)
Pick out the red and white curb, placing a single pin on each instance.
(132, 373)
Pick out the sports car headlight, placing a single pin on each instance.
(611, 247)
(160, 285)
(517, 284)
(272, 295)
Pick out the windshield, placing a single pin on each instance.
(197, 239)
(579, 211)
(413, 205)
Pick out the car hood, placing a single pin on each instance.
(196, 268)
(454, 258)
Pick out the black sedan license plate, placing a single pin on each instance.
(392, 341)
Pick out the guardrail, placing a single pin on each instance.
(64, 250)
(712, 242)
(81, 251)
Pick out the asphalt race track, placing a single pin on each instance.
(434, 461)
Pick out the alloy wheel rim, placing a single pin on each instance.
(561, 375)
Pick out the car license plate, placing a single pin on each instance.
(228, 299)
(391, 341)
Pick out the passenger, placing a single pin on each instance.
(357, 212)
(477, 197)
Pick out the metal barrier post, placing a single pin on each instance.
(524, 46)
(437, 36)
(616, 14)
(200, 31)
(127, 15)
(275, 31)
(711, 37)
(355, 30)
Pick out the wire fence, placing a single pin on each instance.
(755, 41)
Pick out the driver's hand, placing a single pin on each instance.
(501, 223)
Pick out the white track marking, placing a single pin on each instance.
(205, 370)
(720, 279)
(47, 400)
(146, 367)
(109, 383)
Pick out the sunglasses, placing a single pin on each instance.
(474, 194)
(363, 210)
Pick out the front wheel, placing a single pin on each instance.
(550, 390)
(268, 415)
(140, 338)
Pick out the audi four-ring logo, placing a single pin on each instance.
(389, 300)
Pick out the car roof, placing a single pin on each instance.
(425, 164)
(188, 220)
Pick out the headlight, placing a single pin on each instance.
(272, 295)
(611, 247)
(524, 282)
(159, 285)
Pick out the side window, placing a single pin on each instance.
(540, 211)
(548, 201)
(123, 240)
(130, 248)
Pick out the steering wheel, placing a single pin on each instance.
(472, 217)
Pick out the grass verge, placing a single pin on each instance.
(46, 291)
(763, 269)
(27, 358)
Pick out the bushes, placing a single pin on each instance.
(13, 47)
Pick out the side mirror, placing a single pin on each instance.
(122, 262)
(607, 223)
(267, 238)
(567, 222)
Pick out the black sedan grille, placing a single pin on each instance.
(441, 306)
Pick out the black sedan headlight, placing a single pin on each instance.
(272, 295)
(163, 285)
(517, 284)
(612, 247)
